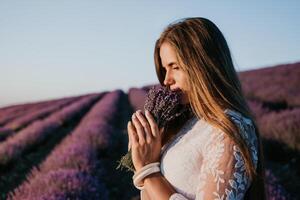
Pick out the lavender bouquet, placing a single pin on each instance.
(165, 106)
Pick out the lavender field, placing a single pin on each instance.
(68, 148)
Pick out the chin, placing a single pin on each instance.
(184, 100)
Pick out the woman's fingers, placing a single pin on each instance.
(133, 138)
(139, 128)
(130, 127)
(143, 121)
(153, 124)
(129, 143)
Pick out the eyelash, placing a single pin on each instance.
(174, 68)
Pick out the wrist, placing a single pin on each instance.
(147, 170)
(151, 177)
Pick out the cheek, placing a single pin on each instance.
(183, 81)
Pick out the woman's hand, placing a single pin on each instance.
(144, 139)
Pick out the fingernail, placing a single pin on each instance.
(147, 112)
(133, 116)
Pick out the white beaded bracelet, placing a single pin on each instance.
(143, 172)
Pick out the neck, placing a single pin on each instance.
(173, 128)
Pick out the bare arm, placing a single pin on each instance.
(158, 187)
(145, 195)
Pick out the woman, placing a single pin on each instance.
(217, 153)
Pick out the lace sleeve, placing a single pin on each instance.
(223, 174)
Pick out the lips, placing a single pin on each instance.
(176, 89)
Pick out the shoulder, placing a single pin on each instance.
(217, 140)
(241, 121)
(247, 131)
(244, 124)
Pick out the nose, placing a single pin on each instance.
(168, 80)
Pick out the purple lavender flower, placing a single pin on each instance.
(5, 132)
(63, 184)
(274, 189)
(165, 105)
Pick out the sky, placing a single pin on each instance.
(57, 48)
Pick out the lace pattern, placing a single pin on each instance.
(223, 156)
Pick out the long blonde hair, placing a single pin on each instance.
(204, 56)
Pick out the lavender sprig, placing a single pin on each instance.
(164, 104)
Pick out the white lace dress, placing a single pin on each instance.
(202, 162)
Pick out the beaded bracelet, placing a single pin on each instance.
(143, 172)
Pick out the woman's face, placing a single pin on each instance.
(175, 78)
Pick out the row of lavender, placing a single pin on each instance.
(38, 113)
(35, 113)
(14, 118)
(24, 106)
(20, 108)
(278, 85)
(73, 170)
(40, 130)
(7, 114)
(281, 126)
